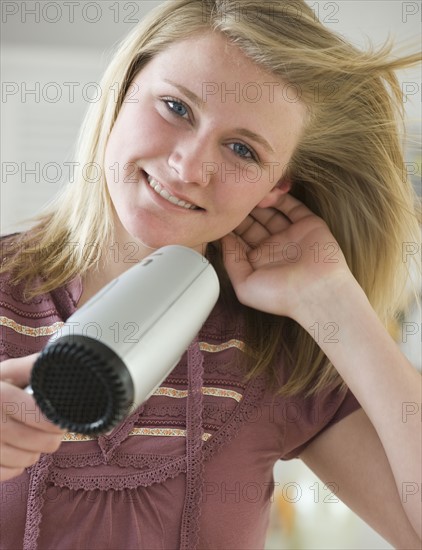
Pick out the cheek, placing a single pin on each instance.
(239, 199)
(137, 133)
(236, 208)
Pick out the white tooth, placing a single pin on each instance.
(154, 183)
(166, 195)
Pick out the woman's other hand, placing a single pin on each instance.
(280, 258)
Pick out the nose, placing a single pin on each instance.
(192, 160)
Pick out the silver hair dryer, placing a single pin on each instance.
(114, 351)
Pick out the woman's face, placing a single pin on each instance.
(208, 129)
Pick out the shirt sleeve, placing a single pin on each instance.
(308, 417)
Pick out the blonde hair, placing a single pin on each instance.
(348, 167)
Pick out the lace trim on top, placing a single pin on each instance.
(37, 488)
(189, 530)
(157, 474)
(110, 443)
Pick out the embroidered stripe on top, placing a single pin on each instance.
(160, 432)
(165, 432)
(215, 392)
(49, 330)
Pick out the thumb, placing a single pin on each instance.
(235, 257)
(17, 371)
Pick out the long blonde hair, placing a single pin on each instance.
(348, 167)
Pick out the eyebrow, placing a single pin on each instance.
(200, 104)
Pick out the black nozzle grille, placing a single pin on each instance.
(82, 385)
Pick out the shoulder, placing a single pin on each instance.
(304, 417)
(28, 322)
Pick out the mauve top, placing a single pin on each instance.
(191, 468)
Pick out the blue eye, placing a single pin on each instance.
(176, 107)
(243, 151)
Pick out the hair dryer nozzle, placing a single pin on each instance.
(82, 385)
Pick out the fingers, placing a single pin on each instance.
(293, 208)
(261, 224)
(11, 457)
(235, 259)
(14, 457)
(252, 231)
(25, 432)
(14, 460)
(17, 405)
(251, 289)
(274, 220)
(18, 371)
(26, 438)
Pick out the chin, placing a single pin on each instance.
(151, 240)
(147, 233)
(153, 244)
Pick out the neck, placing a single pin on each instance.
(124, 252)
(117, 258)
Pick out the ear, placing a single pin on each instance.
(272, 198)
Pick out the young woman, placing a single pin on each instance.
(267, 143)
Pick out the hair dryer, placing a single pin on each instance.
(114, 351)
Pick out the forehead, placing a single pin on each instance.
(229, 84)
(211, 56)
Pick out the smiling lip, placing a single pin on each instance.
(159, 189)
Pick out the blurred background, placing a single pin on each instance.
(52, 57)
